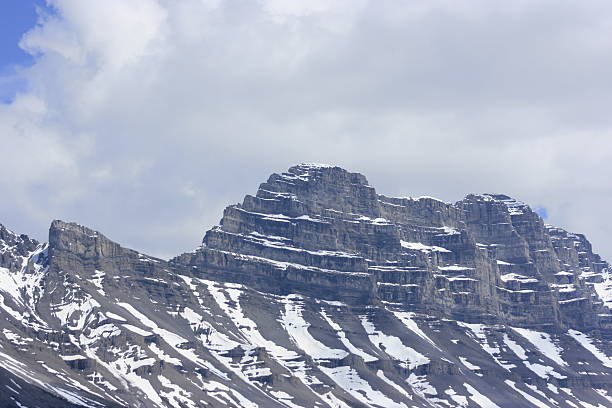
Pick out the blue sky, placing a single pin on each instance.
(16, 17)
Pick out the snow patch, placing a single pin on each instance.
(422, 247)
(586, 342)
(393, 346)
(544, 343)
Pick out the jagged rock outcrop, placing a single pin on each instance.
(317, 291)
(13, 248)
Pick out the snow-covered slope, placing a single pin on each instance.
(316, 293)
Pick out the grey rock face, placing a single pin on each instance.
(315, 292)
(13, 248)
(322, 231)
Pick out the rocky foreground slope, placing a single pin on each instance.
(315, 292)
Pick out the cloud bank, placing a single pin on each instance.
(145, 118)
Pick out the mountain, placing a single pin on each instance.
(315, 292)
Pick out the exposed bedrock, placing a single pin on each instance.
(321, 230)
(315, 292)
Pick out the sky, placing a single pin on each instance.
(144, 119)
(16, 17)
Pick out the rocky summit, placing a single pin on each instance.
(315, 292)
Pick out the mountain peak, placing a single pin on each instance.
(323, 173)
(314, 189)
(317, 291)
(13, 247)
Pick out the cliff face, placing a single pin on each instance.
(325, 232)
(317, 291)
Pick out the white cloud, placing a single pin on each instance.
(144, 118)
(109, 34)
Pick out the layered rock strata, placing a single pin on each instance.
(315, 292)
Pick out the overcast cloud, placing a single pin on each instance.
(145, 118)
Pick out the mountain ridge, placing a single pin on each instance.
(316, 291)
